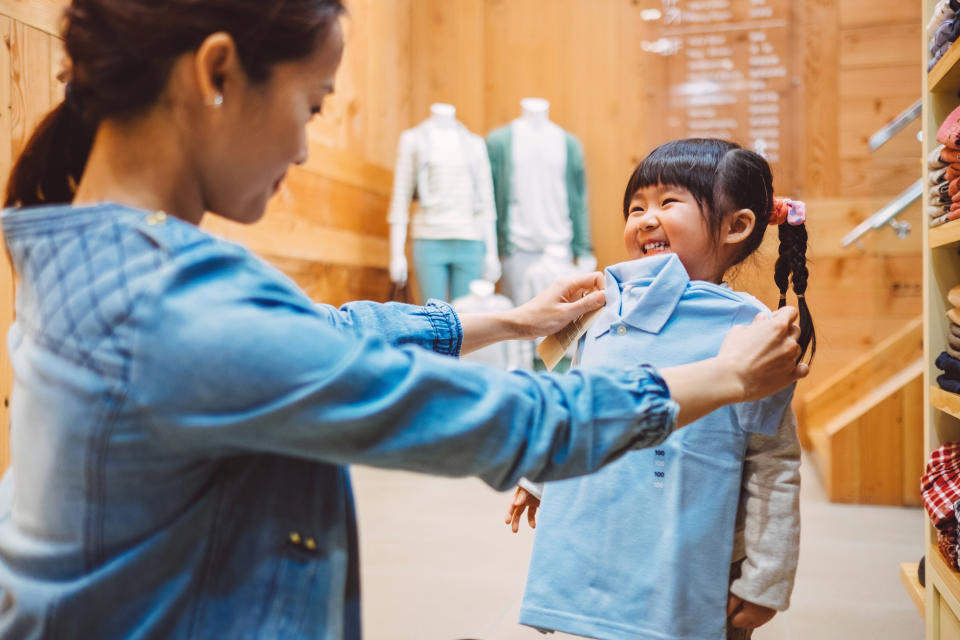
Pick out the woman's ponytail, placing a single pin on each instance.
(51, 165)
(792, 267)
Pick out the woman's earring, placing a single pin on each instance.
(218, 100)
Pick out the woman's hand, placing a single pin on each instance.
(754, 361)
(522, 500)
(560, 304)
(763, 355)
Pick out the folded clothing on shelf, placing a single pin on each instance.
(934, 159)
(950, 365)
(943, 218)
(947, 546)
(940, 486)
(943, 10)
(942, 30)
(944, 176)
(949, 132)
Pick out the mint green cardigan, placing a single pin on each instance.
(499, 148)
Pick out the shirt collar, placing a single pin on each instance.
(643, 293)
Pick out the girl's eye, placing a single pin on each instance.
(636, 210)
(667, 201)
(315, 110)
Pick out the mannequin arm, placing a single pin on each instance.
(491, 259)
(398, 256)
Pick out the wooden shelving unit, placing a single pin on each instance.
(945, 234)
(945, 75)
(908, 576)
(945, 401)
(941, 272)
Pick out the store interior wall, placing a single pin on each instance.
(857, 67)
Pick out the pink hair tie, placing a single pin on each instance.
(793, 212)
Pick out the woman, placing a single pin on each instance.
(182, 412)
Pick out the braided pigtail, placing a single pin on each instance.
(791, 267)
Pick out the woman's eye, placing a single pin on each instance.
(315, 110)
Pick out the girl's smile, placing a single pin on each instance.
(667, 219)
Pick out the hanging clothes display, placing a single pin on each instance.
(540, 193)
(444, 167)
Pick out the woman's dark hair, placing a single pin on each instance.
(723, 177)
(122, 52)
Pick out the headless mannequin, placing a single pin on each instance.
(555, 262)
(538, 211)
(442, 135)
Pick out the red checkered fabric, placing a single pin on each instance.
(947, 545)
(940, 485)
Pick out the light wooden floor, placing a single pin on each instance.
(439, 564)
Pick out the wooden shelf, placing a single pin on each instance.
(945, 75)
(945, 234)
(949, 577)
(908, 576)
(945, 401)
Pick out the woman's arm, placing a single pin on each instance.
(754, 361)
(438, 328)
(557, 306)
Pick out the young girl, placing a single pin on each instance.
(643, 549)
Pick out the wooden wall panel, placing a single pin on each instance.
(821, 31)
(29, 61)
(44, 15)
(447, 63)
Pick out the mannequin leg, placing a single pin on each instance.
(431, 260)
(514, 268)
(466, 266)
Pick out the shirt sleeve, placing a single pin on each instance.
(230, 360)
(435, 326)
(769, 517)
(404, 180)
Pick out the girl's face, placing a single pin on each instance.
(667, 219)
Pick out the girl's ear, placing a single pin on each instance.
(739, 226)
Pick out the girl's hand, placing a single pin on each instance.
(559, 304)
(522, 499)
(747, 615)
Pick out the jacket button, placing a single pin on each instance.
(311, 544)
(156, 218)
(621, 330)
(294, 537)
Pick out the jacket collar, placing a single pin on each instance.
(643, 293)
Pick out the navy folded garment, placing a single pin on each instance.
(950, 365)
(948, 384)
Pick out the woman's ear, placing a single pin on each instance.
(739, 226)
(216, 66)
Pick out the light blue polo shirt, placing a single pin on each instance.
(641, 549)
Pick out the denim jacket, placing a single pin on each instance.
(182, 415)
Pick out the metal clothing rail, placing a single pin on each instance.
(896, 125)
(887, 214)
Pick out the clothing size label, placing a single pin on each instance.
(660, 464)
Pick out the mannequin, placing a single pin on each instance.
(555, 262)
(540, 193)
(508, 354)
(445, 168)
